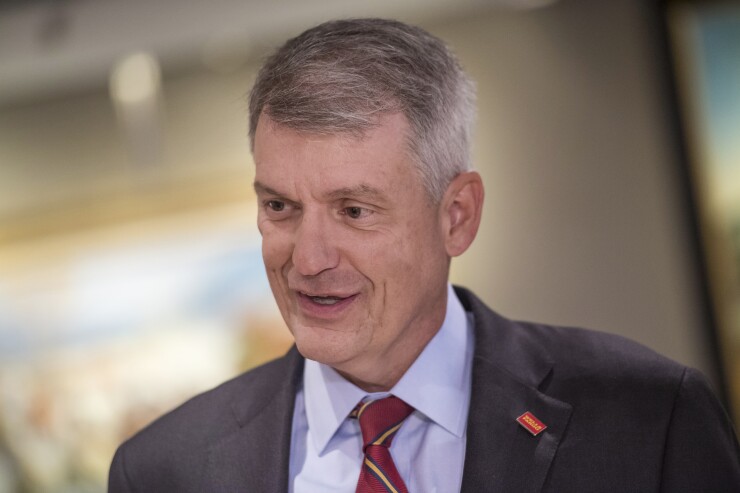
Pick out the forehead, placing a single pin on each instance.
(379, 158)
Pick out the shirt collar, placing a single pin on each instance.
(437, 384)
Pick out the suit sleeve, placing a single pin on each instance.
(117, 478)
(701, 451)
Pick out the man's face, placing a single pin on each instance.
(352, 245)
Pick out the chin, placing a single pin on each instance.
(322, 345)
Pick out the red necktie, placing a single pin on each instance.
(379, 422)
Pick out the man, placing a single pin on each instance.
(360, 134)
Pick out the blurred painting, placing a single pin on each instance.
(131, 276)
(103, 330)
(706, 41)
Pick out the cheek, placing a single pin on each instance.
(420, 242)
(419, 263)
(277, 248)
(276, 251)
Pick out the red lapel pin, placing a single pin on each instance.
(530, 423)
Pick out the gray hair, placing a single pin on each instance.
(340, 76)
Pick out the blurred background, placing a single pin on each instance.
(130, 269)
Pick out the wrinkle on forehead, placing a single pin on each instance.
(347, 138)
(276, 143)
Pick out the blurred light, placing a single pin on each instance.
(136, 90)
(135, 79)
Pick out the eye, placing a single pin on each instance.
(275, 205)
(357, 212)
(276, 209)
(354, 212)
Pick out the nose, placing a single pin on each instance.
(314, 251)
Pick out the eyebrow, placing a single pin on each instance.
(361, 191)
(259, 188)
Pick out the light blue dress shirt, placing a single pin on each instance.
(428, 450)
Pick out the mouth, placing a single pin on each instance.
(324, 300)
(324, 304)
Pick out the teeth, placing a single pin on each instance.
(325, 300)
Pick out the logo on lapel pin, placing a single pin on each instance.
(530, 423)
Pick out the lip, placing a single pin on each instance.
(315, 310)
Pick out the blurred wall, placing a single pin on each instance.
(584, 221)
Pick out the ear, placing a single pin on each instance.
(462, 205)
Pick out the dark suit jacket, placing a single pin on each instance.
(620, 418)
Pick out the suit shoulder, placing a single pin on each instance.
(576, 354)
(205, 417)
(596, 371)
(585, 350)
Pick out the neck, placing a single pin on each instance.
(382, 383)
(383, 373)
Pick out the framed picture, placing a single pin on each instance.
(704, 42)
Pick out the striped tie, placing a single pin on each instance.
(379, 422)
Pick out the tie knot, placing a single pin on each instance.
(381, 419)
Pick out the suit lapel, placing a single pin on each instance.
(500, 454)
(256, 456)
(509, 374)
